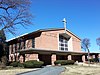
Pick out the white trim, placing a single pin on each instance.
(62, 46)
(74, 34)
(40, 49)
(70, 44)
(17, 37)
(58, 40)
(42, 31)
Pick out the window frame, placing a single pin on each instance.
(64, 41)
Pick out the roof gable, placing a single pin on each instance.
(43, 30)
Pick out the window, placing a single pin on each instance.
(33, 43)
(63, 43)
(18, 46)
(15, 47)
(11, 49)
(22, 44)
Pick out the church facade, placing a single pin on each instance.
(47, 45)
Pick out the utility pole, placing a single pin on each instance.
(65, 22)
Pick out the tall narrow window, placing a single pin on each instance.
(63, 43)
(33, 43)
(24, 44)
(11, 49)
(16, 47)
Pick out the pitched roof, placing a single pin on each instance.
(42, 30)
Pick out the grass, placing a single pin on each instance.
(14, 71)
(81, 70)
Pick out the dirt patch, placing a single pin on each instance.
(81, 70)
(14, 71)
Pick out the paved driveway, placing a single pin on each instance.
(49, 70)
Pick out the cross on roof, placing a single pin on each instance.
(64, 21)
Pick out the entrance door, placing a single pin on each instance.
(45, 58)
(77, 58)
(61, 57)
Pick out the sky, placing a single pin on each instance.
(83, 18)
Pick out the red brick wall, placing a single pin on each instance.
(49, 40)
(31, 57)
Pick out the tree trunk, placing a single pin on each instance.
(3, 57)
(3, 52)
(88, 56)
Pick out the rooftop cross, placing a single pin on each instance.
(64, 21)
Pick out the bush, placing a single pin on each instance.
(2, 66)
(20, 65)
(8, 63)
(14, 64)
(33, 64)
(64, 62)
(94, 60)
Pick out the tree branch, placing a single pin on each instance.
(21, 15)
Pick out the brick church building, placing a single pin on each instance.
(47, 45)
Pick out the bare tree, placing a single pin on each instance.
(98, 42)
(13, 13)
(85, 46)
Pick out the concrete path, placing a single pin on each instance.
(49, 70)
